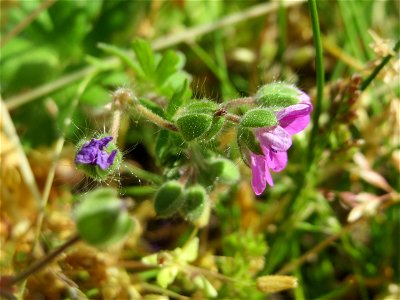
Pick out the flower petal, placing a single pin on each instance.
(275, 138)
(103, 142)
(102, 160)
(296, 117)
(111, 158)
(261, 174)
(86, 155)
(304, 98)
(276, 161)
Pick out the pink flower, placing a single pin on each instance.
(275, 141)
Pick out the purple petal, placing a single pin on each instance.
(295, 118)
(304, 98)
(276, 161)
(275, 138)
(86, 155)
(111, 158)
(104, 141)
(261, 174)
(102, 160)
(92, 153)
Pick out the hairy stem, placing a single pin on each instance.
(120, 99)
(238, 102)
(152, 117)
(40, 264)
(222, 112)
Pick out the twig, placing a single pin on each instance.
(36, 266)
(155, 288)
(376, 71)
(238, 102)
(161, 43)
(152, 117)
(23, 98)
(26, 171)
(25, 22)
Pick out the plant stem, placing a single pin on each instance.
(319, 63)
(38, 265)
(57, 152)
(238, 102)
(376, 71)
(116, 121)
(222, 112)
(152, 117)
(142, 174)
(120, 99)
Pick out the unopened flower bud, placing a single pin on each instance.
(258, 117)
(194, 125)
(169, 198)
(197, 120)
(276, 283)
(279, 95)
(101, 219)
(98, 158)
(224, 170)
(194, 202)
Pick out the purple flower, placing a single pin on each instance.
(276, 140)
(92, 153)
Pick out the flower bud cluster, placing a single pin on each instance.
(264, 134)
(198, 121)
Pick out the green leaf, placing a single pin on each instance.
(201, 282)
(167, 66)
(190, 251)
(123, 56)
(145, 57)
(95, 95)
(168, 147)
(178, 99)
(166, 276)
